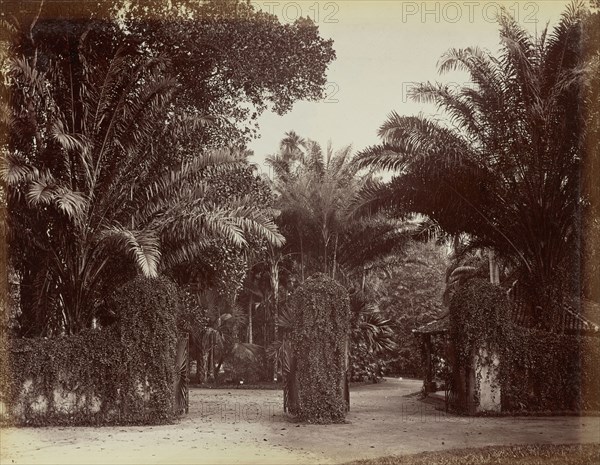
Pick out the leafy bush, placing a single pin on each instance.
(412, 296)
(371, 339)
(319, 338)
(365, 365)
(480, 319)
(480, 316)
(249, 370)
(122, 374)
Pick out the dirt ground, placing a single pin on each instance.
(249, 427)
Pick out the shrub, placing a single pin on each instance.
(319, 337)
(480, 318)
(365, 365)
(249, 370)
(62, 380)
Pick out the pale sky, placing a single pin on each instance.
(382, 47)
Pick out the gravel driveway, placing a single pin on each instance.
(248, 426)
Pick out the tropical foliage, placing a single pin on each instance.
(410, 295)
(108, 152)
(316, 191)
(83, 185)
(122, 374)
(125, 171)
(371, 339)
(217, 339)
(214, 48)
(537, 370)
(506, 167)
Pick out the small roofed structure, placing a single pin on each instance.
(433, 336)
(435, 342)
(569, 321)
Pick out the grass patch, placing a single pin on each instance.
(532, 454)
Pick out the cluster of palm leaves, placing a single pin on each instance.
(91, 196)
(371, 329)
(505, 167)
(217, 340)
(316, 191)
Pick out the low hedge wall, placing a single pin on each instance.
(122, 374)
(65, 380)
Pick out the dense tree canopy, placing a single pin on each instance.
(411, 293)
(231, 62)
(110, 116)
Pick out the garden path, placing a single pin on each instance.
(248, 426)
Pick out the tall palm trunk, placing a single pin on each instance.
(275, 289)
(250, 305)
(325, 237)
(494, 268)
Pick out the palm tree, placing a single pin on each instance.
(291, 146)
(86, 187)
(504, 168)
(370, 327)
(218, 338)
(316, 191)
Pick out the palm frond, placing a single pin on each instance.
(142, 246)
(184, 252)
(69, 142)
(232, 223)
(256, 222)
(14, 169)
(374, 197)
(452, 101)
(40, 192)
(244, 351)
(73, 204)
(382, 157)
(7, 117)
(286, 318)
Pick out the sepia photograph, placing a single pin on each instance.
(272, 232)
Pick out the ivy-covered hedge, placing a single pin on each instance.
(538, 370)
(479, 319)
(64, 380)
(147, 312)
(319, 337)
(546, 372)
(122, 374)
